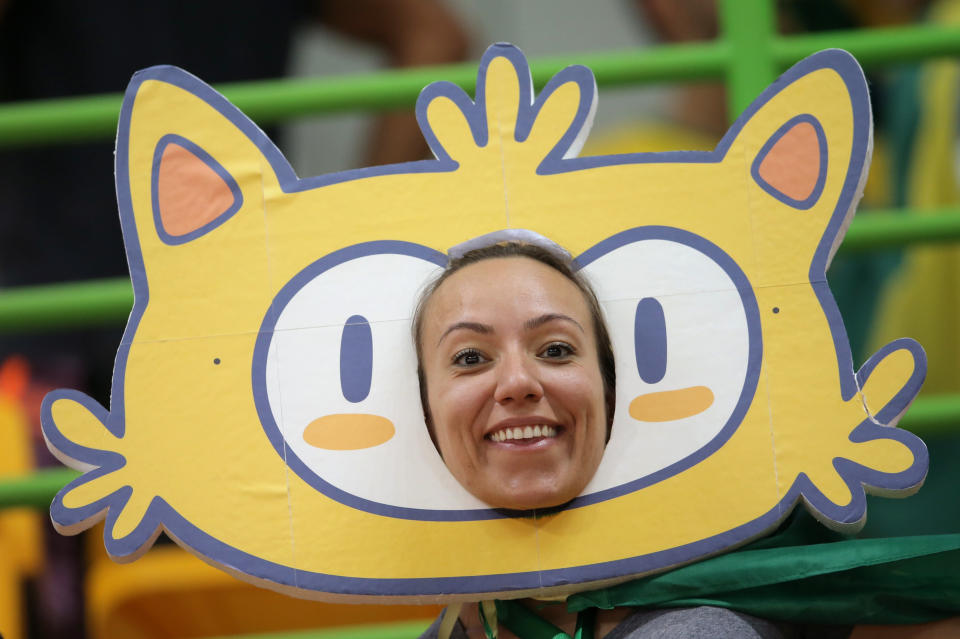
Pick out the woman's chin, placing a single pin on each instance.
(530, 498)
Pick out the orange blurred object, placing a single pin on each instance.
(169, 593)
(21, 541)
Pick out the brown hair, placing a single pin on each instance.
(554, 260)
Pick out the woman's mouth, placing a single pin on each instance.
(522, 433)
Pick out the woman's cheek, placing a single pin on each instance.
(576, 387)
(469, 398)
(458, 402)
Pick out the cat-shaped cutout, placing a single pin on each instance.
(265, 411)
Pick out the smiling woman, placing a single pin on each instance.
(516, 375)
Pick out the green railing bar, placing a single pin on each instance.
(933, 415)
(75, 305)
(268, 102)
(874, 46)
(930, 415)
(276, 100)
(271, 101)
(34, 123)
(35, 490)
(108, 301)
(748, 28)
(399, 630)
(888, 229)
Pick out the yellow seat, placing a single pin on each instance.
(170, 593)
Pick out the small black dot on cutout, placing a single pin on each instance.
(216, 360)
(776, 309)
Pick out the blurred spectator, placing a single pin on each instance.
(922, 300)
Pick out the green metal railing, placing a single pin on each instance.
(747, 55)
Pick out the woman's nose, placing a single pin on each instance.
(517, 380)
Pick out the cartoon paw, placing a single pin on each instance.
(81, 434)
(506, 120)
(891, 379)
(875, 457)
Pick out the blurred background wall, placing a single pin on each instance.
(538, 27)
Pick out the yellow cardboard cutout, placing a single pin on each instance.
(265, 410)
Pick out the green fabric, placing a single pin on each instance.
(525, 623)
(586, 624)
(806, 573)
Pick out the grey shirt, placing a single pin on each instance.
(704, 622)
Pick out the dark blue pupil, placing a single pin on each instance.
(650, 340)
(356, 359)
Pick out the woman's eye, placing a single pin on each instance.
(469, 357)
(557, 350)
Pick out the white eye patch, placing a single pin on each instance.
(681, 334)
(341, 384)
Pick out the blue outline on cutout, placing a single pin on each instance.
(817, 191)
(710, 250)
(206, 158)
(161, 515)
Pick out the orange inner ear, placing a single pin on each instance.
(190, 194)
(793, 164)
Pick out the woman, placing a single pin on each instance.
(516, 375)
(517, 380)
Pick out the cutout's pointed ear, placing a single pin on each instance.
(792, 165)
(805, 145)
(191, 192)
(187, 163)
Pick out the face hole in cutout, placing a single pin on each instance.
(341, 384)
(679, 326)
(697, 286)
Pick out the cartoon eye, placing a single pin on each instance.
(686, 312)
(356, 359)
(650, 340)
(348, 419)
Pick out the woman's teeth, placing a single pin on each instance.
(523, 432)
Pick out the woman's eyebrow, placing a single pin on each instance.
(477, 327)
(536, 322)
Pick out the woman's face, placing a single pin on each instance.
(515, 396)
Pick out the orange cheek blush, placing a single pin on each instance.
(348, 431)
(666, 406)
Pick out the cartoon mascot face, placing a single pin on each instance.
(265, 409)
